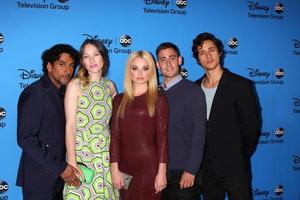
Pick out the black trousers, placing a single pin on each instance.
(215, 187)
(173, 191)
(37, 195)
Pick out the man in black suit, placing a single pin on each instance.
(232, 124)
(41, 128)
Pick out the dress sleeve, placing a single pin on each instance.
(115, 132)
(162, 119)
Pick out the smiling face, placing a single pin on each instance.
(208, 55)
(92, 59)
(169, 63)
(139, 71)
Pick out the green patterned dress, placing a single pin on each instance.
(92, 143)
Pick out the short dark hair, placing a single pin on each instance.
(102, 50)
(166, 45)
(53, 54)
(198, 41)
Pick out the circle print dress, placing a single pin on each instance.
(94, 110)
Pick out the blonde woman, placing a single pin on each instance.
(139, 131)
(88, 108)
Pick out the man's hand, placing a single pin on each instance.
(70, 176)
(187, 180)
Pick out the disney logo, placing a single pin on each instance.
(258, 192)
(296, 101)
(256, 6)
(162, 2)
(296, 43)
(63, 1)
(107, 42)
(256, 72)
(29, 74)
(296, 159)
(88, 36)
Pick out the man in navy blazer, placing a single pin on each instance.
(233, 124)
(41, 128)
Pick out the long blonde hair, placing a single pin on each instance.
(152, 93)
(82, 73)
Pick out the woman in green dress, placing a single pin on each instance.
(88, 108)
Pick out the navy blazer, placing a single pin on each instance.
(233, 125)
(41, 135)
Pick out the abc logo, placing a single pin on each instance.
(278, 190)
(1, 38)
(125, 40)
(279, 132)
(3, 187)
(2, 113)
(296, 43)
(63, 1)
(279, 73)
(296, 159)
(184, 73)
(296, 102)
(181, 3)
(279, 8)
(233, 42)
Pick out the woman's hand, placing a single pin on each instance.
(117, 178)
(160, 182)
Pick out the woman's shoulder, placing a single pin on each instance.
(74, 83)
(160, 94)
(161, 97)
(108, 82)
(111, 85)
(118, 97)
(73, 89)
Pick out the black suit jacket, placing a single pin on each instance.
(41, 135)
(233, 125)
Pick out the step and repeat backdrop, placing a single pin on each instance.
(261, 39)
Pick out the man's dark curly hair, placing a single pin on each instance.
(53, 54)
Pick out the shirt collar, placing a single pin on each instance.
(173, 82)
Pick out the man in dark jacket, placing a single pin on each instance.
(232, 124)
(186, 131)
(41, 128)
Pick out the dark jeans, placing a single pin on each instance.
(237, 187)
(173, 191)
(37, 195)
